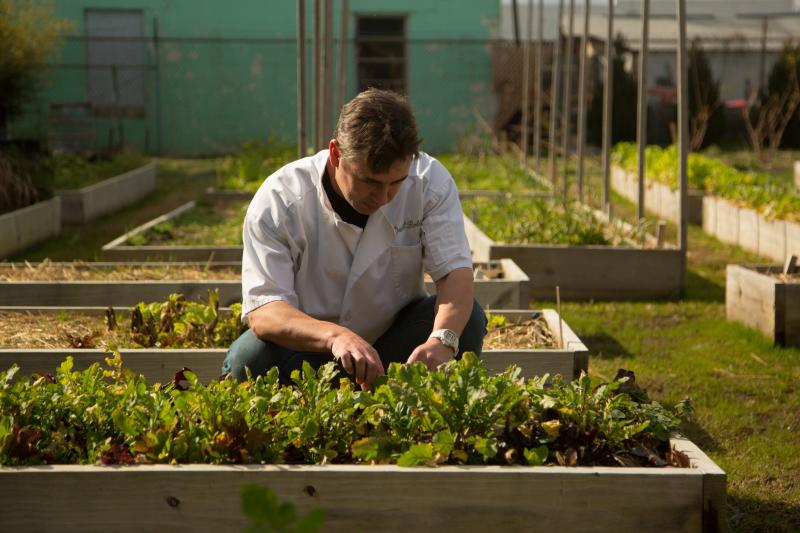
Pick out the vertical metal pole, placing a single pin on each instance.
(641, 120)
(115, 86)
(555, 88)
(537, 116)
(316, 46)
(526, 89)
(683, 131)
(608, 102)
(157, 83)
(327, 91)
(763, 61)
(566, 118)
(582, 97)
(515, 17)
(345, 15)
(301, 78)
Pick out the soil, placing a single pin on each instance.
(74, 330)
(80, 271)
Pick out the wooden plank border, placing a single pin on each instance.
(659, 198)
(448, 498)
(588, 272)
(79, 206)
(773, 239)
(22, 228)
(509, 292)
(760, 301)
(160, 365)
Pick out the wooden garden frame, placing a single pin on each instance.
(363, 497)
(22, 228)
(745, 227)
(589, 272)
(764, 302)
(83, 205)
(659, 198)
(510, 292)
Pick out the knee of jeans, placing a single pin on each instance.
(247, 352)
(472, 337)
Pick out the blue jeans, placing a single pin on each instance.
(411, 328)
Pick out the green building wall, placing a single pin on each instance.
(225, 73)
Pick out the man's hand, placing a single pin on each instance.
(432, 352)
(357, 357)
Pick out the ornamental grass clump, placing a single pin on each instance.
(458, 415)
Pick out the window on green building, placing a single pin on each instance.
(116, 61)
(381, 53)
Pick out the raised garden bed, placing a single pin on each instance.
(88, 203)
(454, 498)
(589, 271)
(22, 228)
(763, 298)
(567, 357)
(463, 417)
(797, 175)
(211, 226)
(658, 198)
(501, 285)
(772, 238)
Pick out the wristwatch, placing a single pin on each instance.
(448, 338)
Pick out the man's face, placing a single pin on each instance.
(364, 190)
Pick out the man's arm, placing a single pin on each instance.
(454, 302)
(286, 325)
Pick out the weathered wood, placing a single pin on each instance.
(22, 228)
(710, 215)
(792, 239)
(510, 291)
(89, 203)
(659, 199)
(727, 222)
(588, 272)
(764, 302)
(449, 498)
(791, 327)
(790, 266)
(771, 238)
(748, 229)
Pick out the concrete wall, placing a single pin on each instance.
(226, 75)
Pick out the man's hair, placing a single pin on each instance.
(378, 128)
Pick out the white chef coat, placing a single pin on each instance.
(298, 250)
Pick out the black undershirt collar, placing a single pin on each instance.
(340, 205)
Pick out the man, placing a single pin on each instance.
(334, 250)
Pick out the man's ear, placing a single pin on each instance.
(334, 153)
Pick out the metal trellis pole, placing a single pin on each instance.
(537, 115)
(566, 118)
(301, 78)
(582, 97)
(345, 14)
(683, 131)
(641, 121)
(316, 51)
(608, 102)
(526, 90)
(555, 88)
